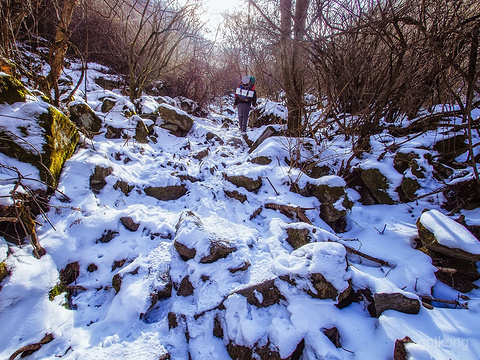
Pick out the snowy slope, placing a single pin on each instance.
(131, 325)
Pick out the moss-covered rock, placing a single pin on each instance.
(12, 90)
(141, 132)
(58, 138)
(4, 272)
(402, 160)
(409, 188)
(378, 184)
(83, 116)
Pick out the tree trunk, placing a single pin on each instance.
(58, 50)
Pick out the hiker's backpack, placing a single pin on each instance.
(245, 92)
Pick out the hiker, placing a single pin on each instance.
(245, 97)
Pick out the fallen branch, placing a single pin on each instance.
(428, 300)
(353, 251)
(30, 349)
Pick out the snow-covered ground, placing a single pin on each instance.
(130, 325)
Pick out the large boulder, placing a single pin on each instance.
(177, 121)
(45, 138)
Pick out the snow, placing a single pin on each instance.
(131, 325)
(449, 233)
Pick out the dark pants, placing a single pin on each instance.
(243, 111)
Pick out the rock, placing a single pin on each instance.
(378, 184)
(261, 160)
(459, 274)
(262, 295)
(113, 132)
(129, 223)
(298, 237)
(123, 186)
(12, 90)
(268, 113)
(192, 239)
(117, 283)
(108, 83)
(242, 267)
(213, 138)
(402, 160)
(201, 155)
(314, 170)
(461, 195)
(141, 132)
(395, 301)
(108, 104)
(319, 269)
(186, 288)
(92, 268)
(56, 133)
(236, 195)
(269, 132)
(4, 272)
(245, 182)
(443, 235)
(450, 148)
(409, 187)
(175, 120)
(334, 336)
(218, 250)
(83, 116)
(331, 192)
(97, 179)
(187, 105)
(107, 236)
(166, 193)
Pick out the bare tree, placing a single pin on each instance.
(153, 31)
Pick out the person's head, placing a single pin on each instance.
(246, 80)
